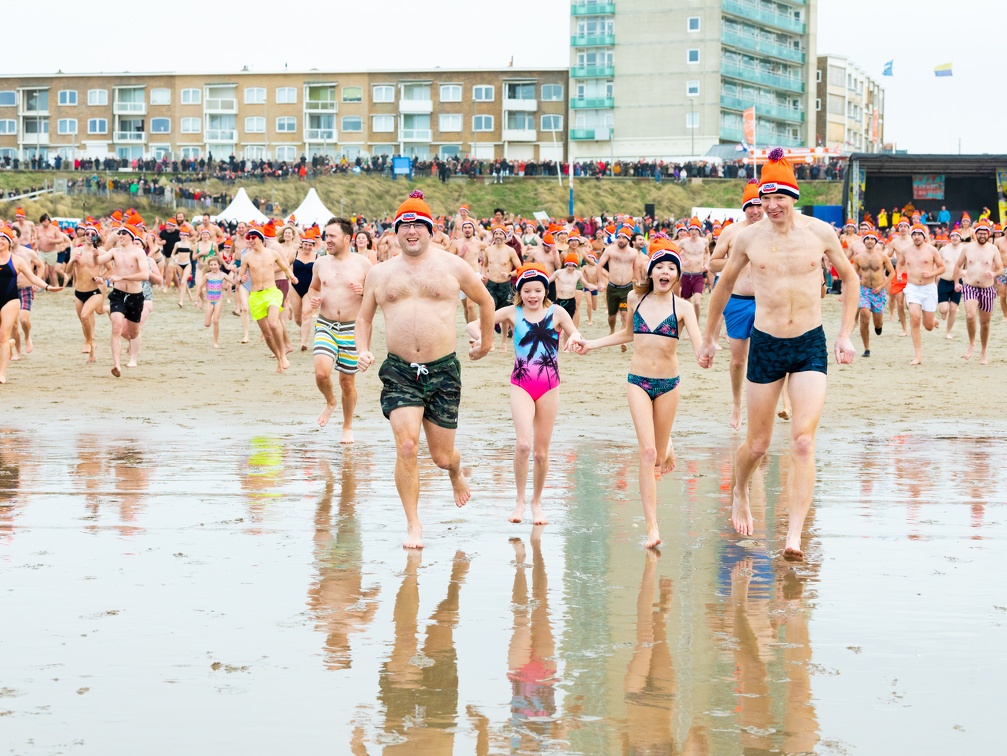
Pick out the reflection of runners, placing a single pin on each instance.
(867, 353)
(877, 330)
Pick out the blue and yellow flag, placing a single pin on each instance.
(888, 68)
(943, 70)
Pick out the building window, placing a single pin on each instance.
(693, 55)
(36, 125)
(160, 125)
(97, 126)
(97, 97)
(483, 93)
(552, 123)
(818, 76)
(286, 153)
(191, 96)
(8, 98)
(451, 93)
(286, 124)
(255, 95)
(255, 125)
(818, 103)
(383, 124)
(353, 123)
(692, 88)
(286, 95)
(692, 120)
(353, 94)
(482, 123)
(8, 126)
(160, 97)
(449, 122)
(190, 126)
(552, 93)
(692, 25)
(383, 93)
(67, 126)
(190, 153)
(67, 97)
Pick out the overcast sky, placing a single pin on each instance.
(923, 113)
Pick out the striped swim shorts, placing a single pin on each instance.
(335, 340)
(985, 295)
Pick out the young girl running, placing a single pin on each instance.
(211, 288)
(655, 319)
(534, 394)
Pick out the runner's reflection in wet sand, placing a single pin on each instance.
(11, 446)
(263, 477)
(131, 479)
(419, 689)
(650, 686)
(337, 599)
(531, 660)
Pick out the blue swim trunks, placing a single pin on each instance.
(770, 359)
(739, 316)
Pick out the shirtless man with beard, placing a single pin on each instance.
(500, 262)
(978, 266)
(470, 249)
(50, 241)
(923, 265)
(694, 252)
(875, 271)
(621, 260)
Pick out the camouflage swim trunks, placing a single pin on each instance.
(436, 386)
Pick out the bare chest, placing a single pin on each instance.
(404, 286)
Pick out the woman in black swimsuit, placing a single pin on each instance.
(10, 301)
(303, 265)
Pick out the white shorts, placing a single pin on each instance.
(925, 296)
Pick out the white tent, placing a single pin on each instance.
(241, 209)
(312, 210)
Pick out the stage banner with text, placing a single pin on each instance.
(1002, 193)
(928, 186)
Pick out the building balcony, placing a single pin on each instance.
(416, 107)
(592, 72)
(733, 102)
(592, 9)
(529, 106)
(129, 137)
(129, 108)
(220, 105)
(751, 43)
(321, 106)
(417, 135)
(592, 103)
(754, 75)
(591, 135)
(222, 135)
(519, 135)
(593, 40)
(33, 139)
(319, 135)
(32, 113)
(754, 13)
(763, 137)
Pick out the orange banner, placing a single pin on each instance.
(750, 126)
(874, 126)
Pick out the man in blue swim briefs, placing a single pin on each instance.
(787, 339)
(739, 313)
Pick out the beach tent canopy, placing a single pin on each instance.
(312, 210)
(241, 209)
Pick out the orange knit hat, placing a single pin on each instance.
(415, 209)
(751, 195)
(7, 232)
(694, 223)
(571, 259)
(918, 228)
(778, 176)
(532, 272)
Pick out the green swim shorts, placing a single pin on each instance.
(436, 386)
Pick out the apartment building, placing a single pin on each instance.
(849, 107)
(518, 114)
(660, 79)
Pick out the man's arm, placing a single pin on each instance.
(282, 262)
(938, 262)
(851, 282)
(959, 269)
(23, 268)
(722, 291)
(362, 326)
(474, 289)
(718, 259)
(889, 275)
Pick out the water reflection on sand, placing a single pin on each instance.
(260, 579)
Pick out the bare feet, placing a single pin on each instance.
(131, 363)
(949, 337)
(903, 334)
(116, 372)
(86, 349)
(741, 513)
(623, 347)
(90, 355)
(323, 418)
(347, 436)
(736, 417)
(653, 537)
(216, 345)
(283, 365)
(983, 360)
(414, 537)
(916, 361)
(304, 347)
(793, 555)
(243, 341)
(290, 349)
(518, 512)
(668, 463)
(783, 414)
(538, 515)
(14, 354)
(461, 489)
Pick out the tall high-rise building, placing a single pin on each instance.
(659, 79)
(850, 107)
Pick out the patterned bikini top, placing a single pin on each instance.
(668, 327)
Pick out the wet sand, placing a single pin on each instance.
(188, 564)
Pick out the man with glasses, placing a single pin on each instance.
(421, 378)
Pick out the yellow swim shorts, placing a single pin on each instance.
(259, 302)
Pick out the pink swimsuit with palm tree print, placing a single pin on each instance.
(536, 345)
